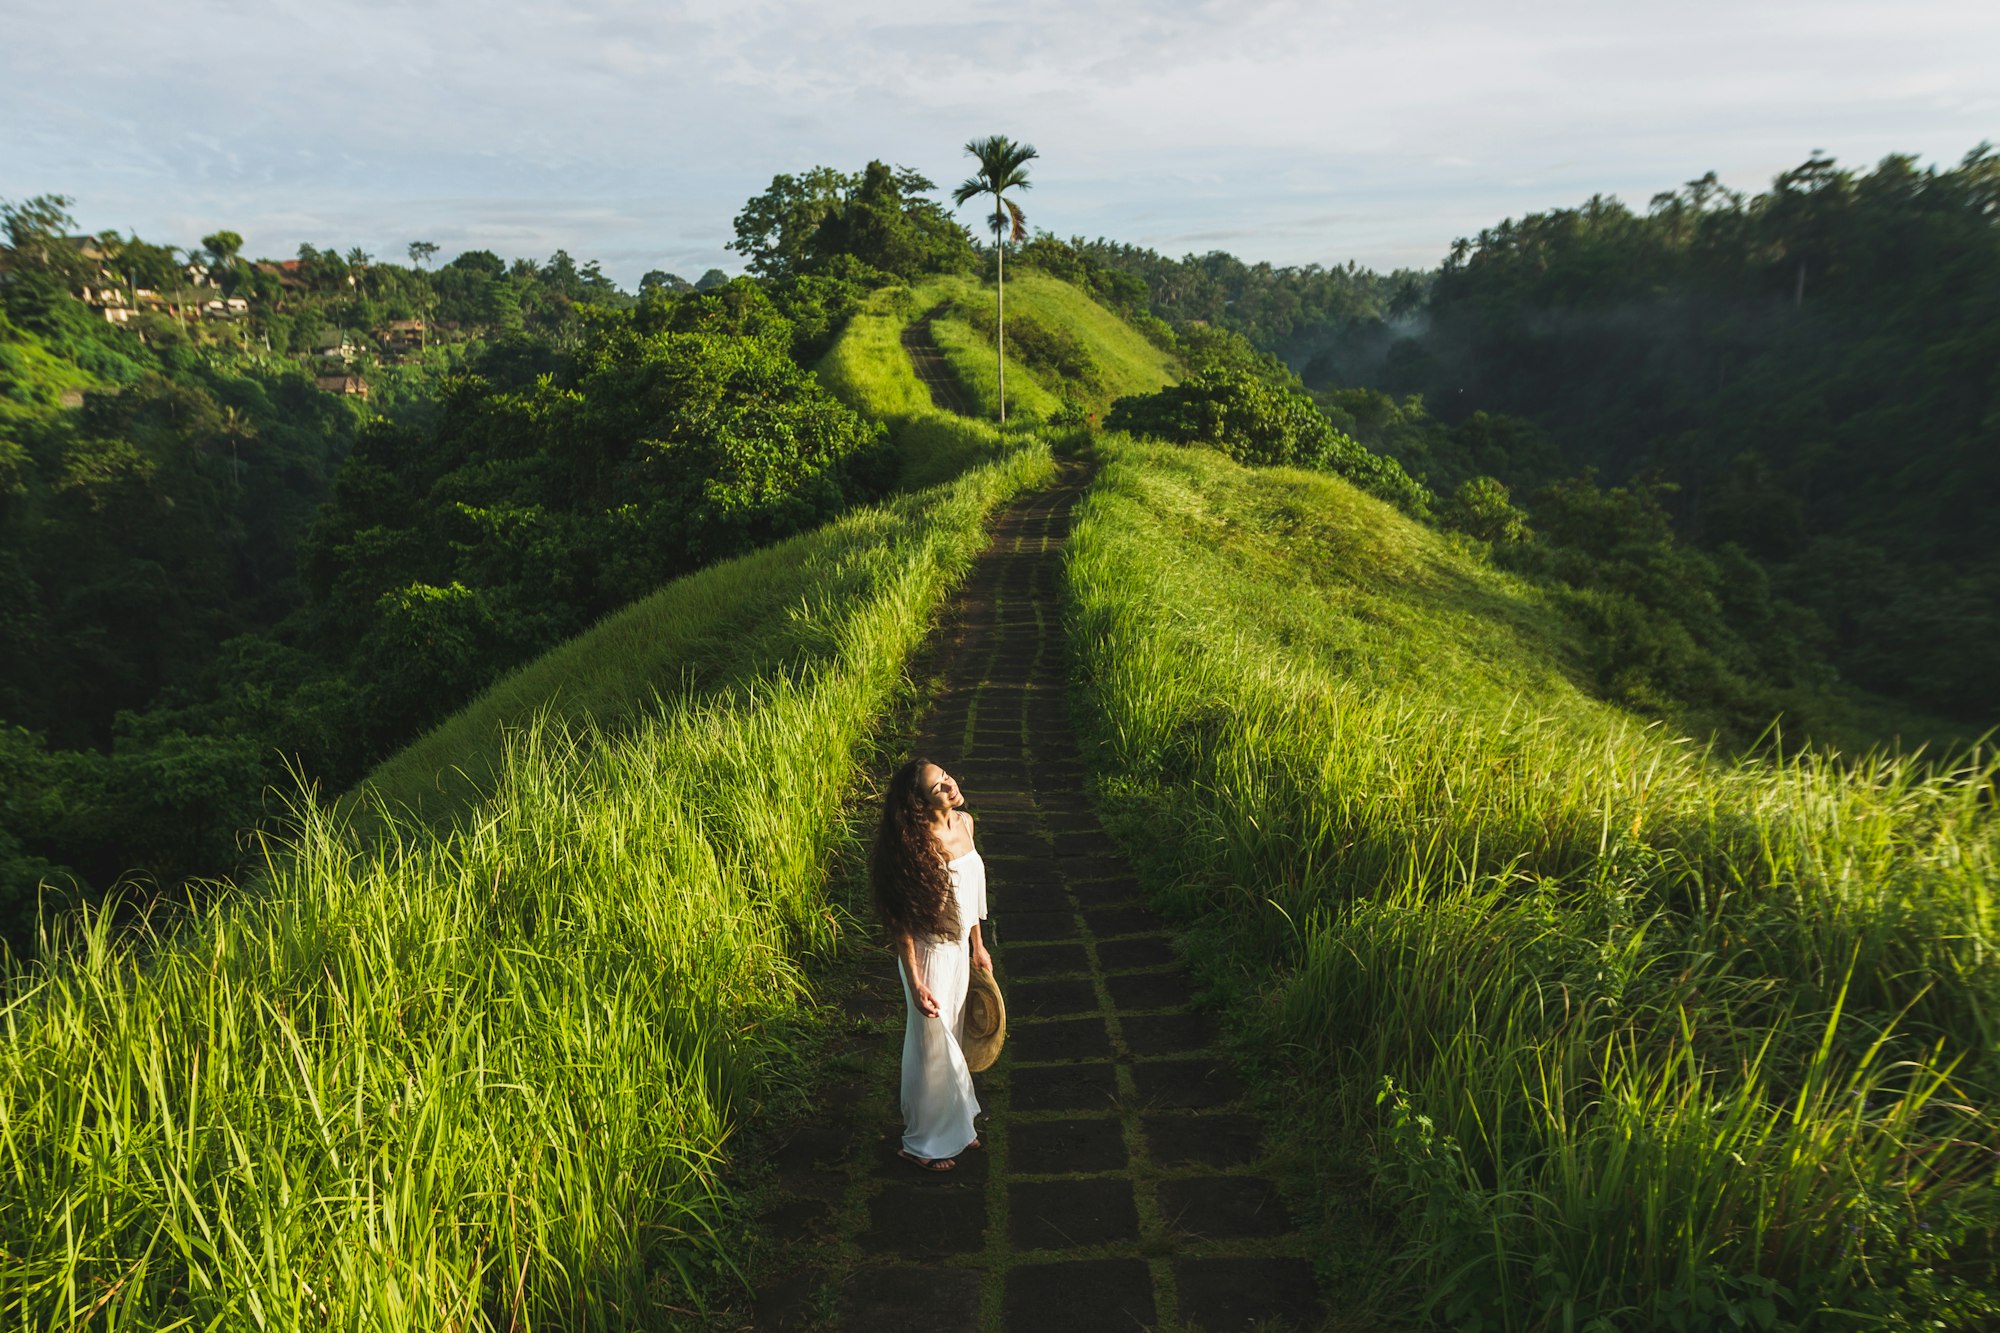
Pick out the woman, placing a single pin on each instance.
(930, 888)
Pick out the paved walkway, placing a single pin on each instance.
(930, 365)
(1119, 1187)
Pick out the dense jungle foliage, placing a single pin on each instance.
(1747, 443)
(219, 576)
(1792, 402)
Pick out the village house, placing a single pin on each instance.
(352, 386)
(401, 335)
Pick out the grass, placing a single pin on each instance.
(484, 1074)
(1620, 1034)
(868, 370)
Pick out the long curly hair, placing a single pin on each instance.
(908, 871)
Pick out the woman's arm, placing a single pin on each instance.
(980, 958)
(906, 947)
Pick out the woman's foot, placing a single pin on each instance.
(929, 1163)
(974, 1144)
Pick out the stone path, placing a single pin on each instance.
(930, 365)
(1119, 1186)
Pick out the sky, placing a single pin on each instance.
(632, 133)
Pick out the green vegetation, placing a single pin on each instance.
(484, 1076)
(1806, 376)
(1618, 1031)
(1266, 425)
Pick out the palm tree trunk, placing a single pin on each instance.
(1000, 319)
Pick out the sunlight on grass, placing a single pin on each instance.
(483, 1076)
(1627, 1032)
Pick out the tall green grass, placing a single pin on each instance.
(483, 1076)
(1633, 1037)
(866, 367)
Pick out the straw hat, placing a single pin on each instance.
(985, 1021)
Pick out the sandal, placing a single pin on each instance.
(928, 1163)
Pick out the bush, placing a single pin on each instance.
(1258, 423)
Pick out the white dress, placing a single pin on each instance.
(938, 1103)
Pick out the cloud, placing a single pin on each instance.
(634, 131)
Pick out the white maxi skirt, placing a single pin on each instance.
(938, 1101)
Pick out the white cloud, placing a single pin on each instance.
(633, 131)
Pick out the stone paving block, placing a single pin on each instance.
(1223, 1207)
(814, 1146)
(1002, 843)
(1059, 1147)
(1124, 955)
(1043, 960)
(1100, 893)
(1024, 886)
(884, 1163)
(1017, 800)
(1150, 990)
(1047, 999)
(793, 1219)
(1106, 922)
(923, 1223)
(1080, 844)
(1082, 1296)
(788, 1303)
(1108, 866)
(1225, 1295)
(1185, 1083)
(1068, 1214)
(1064, 1088)
(1202, 1140)
(978, 776)
(1167, 1034)
(1031, 927)
(911, 1300)
(1028, 823)
(1061, 1039)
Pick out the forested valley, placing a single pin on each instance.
(1748, 443)
(265, 522)
(1756, 438)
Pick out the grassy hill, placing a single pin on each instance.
(1612, 1028)
(483, 1068)
(761, 616)
(1616, 1029)
(1060, 342)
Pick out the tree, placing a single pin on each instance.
(775, 230)
(222, 247)
(421, 253)
(1002, 167)
(710, 280)
(661, 280)
(38, 231)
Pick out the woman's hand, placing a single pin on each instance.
(980, 958)
(927, 1004)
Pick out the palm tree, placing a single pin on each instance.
(1002, 167)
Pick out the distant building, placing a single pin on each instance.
(109, 302)
(352, 386)
(400, 335)
(335, 345)
(285, 270)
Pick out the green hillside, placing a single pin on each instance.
(1060, 343)
(1616, 1029)
(488, 1068)
(1568, 1021)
